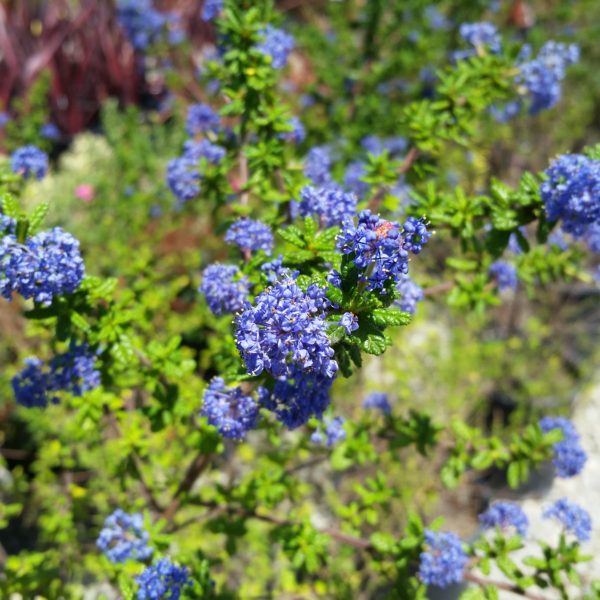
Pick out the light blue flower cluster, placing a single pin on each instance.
(317, 166)
(334, 432)
(415, 235)
(571, 191)
(213, 153)
(123, 537)
(274, 269)
(50, 131)
(230, 410)
(569, 457)
(73, 371)
(29, 161)
(332, 205)
(410, 294)
(505, 515)
(574, 519)
(444, 562)
(297, 134)
(505, 275)
(250, 236)
(143, 24)
(201, 118)
(373, 144)
(354, 176)
(349, 322)
(277, 44)
(183, 178)
(211, 9)
(481, 36)
(224, 288)
(162, 581)
(378, 401)
(48, 264)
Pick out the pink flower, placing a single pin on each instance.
(85, 192)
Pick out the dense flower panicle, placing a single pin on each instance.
(297, 134)
(50, 131)
(213, 153)
(574, 519)
(415, 235)
(143, 24)
(162, 581)
(334, 432)
(231, 411)
(31, 386)
(571, 192)
(46, 265)
(123, 537)
(211, 9)
(569, 457)
(224, 288)
(349, 322)
(444, 562)
(250, 235)
(317, 166)
(505, 275)
(377, 248)
(481, 35)
(7, 224)
(353, 179)
(298, 397)
(378, 401)
(330, 204)
(285, 331)
(505, 515)
(410, 294)
(183, 178)
(274, 269)
(277, 44)
(29, 161)
(201, 118)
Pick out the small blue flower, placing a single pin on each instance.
(481, 35)
(410, 294)
(201, 118)
(29, 162)
(415, 235)
(211, 9)
(277, 44)
(224, 288)
(334, 432)
(183, 178)
(213, 153)
(331, 205)
(297, 133)
(250, 236)
(50, 131)
(574, 519)
(317, 166)
(569, 457)
(505, 515)
(349, 322)
(378, 401)
(143, 24)
(162, 581)
(123, 537)
(445, 560)
(353, 179)
(505, 275)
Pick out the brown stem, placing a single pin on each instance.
(502, 585)
(410, 158)
(440, 288)
(244, 175)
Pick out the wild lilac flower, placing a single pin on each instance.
(415, 235)
(334, 432)
(297, 133)
(7, 224)
(162, 581)
(569, 457)
(505, 515)
(29, 162)
(410, 294)
(436, 19)
(50, 131)
(123, 537)
(274, 269)
(142, 23)
(592, 237)
(250, 236)
(505, 275)
(349, 322)
(506, 112)
(298, 397)
(32, 384)
(231, 411)
(46, 265)
(569, 432)
(353, 179)
(200, 119)
(213, 153)
(317, 166)
(277, 44)
(183, 178)
(481, 35)
(211, 9)
(334, 278)
(331, 205)
(285, 330)
(376, 247)
(224, 288)
(444, 562)
(378, 401)
(373, 144)
(571, 191)
(574, 519)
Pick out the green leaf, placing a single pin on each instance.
(37, 218)
(390, 317)
(293, 236)
(10, 207)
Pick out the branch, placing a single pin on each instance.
(502, 585)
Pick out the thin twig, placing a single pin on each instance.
(502, 585)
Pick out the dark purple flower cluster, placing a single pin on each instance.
(317, 166)
(445, 560)
(231, 411)
(213, 153)
(569, 457)
(29, 161)
(250, 236)
(123, 537)
(505, 275)
(334, 432)
(73, 371)
(505, 515)
(46, 265)
(410, 294)
(285, 330)
(162, 581)
(330, 204)
(224, 288)
(277, 44)
(201, 118)
(143, 24)
(571, 191)
(574, 519)
(211, 9)
(378, 401)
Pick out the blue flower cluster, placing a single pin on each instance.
(415, 235)
(330, 204)
(183, 178)
(7, 224)
(213, 153)
(505, 515)
(574, 519)
(224, 288)
(317, 166)
(334, 432)
(354, 176)
(505, 275)
(571, 191)
(162, 581)
(285, 331)
(297, 133)
(29, 161)
(277, 44)
(73, 371)
(592, 237)
(378, 401)
(250, 236)
(201, 118)
(143, 24)
(46, 265)
(410, 294)
(231, 411)
(569, 457)
(481, 36)
(49, 131)
(349, 322)
(211, 9)
(123, 537)
(373, 144)
(274, 269)
(445, 560)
